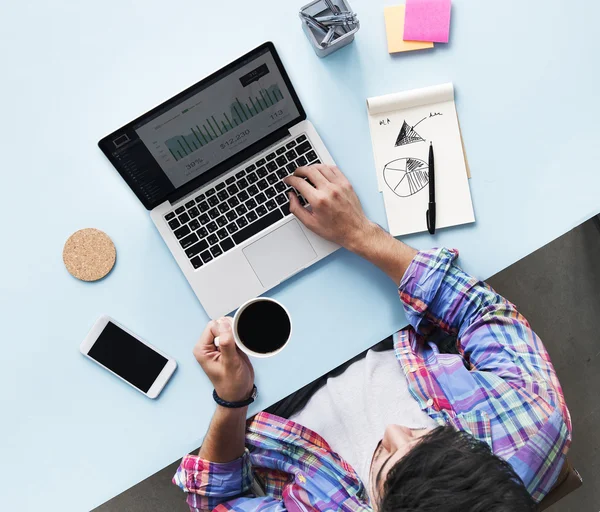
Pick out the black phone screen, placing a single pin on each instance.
(126, 356)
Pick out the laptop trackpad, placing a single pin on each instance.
(280, 253)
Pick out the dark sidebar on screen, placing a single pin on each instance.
(138, 166)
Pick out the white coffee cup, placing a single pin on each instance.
(261, 306)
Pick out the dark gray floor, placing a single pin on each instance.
(557, 289)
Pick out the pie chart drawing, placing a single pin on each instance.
(406, 176)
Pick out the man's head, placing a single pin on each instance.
(443, 470)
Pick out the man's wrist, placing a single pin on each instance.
(227, 412)
(376, 245)
(366, 239)
(235, 396)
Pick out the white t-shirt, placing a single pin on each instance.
(352, 410)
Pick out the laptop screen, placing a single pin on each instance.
(214, 125)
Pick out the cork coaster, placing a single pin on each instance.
(89, 254)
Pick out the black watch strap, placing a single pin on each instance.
(236, 405)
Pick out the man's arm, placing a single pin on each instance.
(337, 215)
(384, 251)
(232, 375)
(492, 334)
(435, 292)
(222, 469)
(224, 440)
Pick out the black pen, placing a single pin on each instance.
(430, 215)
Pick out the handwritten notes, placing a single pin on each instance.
(402, 125)
(427, 20)
(394, 26)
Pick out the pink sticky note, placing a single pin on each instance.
(427, 20)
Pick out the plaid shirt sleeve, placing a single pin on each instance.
(492, 334)
(209, 484)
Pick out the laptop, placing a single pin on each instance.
(209, 165)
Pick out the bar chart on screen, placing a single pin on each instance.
(219, 119)
(216, 125)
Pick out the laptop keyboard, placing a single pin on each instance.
(243, 205)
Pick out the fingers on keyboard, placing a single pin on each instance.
(243, 205)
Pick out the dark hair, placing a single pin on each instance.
(451, 471)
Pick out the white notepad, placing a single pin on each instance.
(402, 126)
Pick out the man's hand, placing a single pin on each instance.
(229, 369)
(337, 214)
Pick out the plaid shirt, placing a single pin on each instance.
(509, 397)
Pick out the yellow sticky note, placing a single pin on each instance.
(394, 26)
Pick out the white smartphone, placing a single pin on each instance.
(128, 357)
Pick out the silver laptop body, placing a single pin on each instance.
(209, 164)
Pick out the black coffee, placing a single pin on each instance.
(264, 327)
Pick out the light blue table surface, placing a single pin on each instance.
(72, 436)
